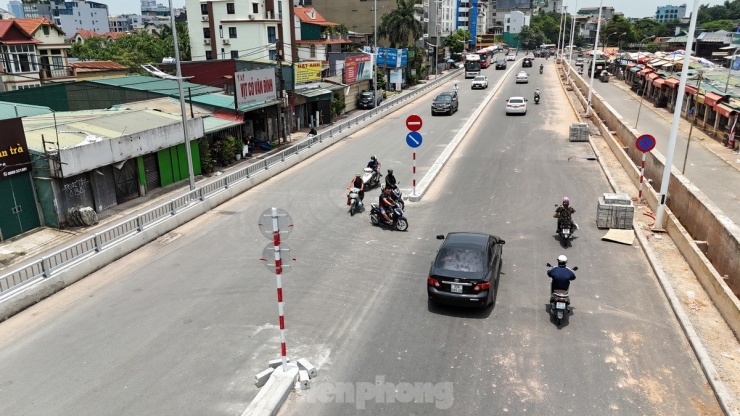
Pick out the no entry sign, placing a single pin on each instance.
(413, 122)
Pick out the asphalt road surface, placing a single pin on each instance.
(182, 325)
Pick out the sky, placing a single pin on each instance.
(630, 8)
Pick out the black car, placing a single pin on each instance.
(526, 63)
(466, 270)
(369, 99)
(501, 64)
(445, 103)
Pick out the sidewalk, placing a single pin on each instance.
(44, 240)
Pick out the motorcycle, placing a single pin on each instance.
(396, 194)
(540, 70)
(354, 200)
(566, 233)
(369, 179)
(400, 222)
(536, 99)
(559, 302)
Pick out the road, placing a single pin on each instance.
(707, 171)
(182, 325)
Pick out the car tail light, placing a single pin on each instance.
(482, 286)
(431, 281)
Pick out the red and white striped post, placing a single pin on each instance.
(278, 276)
(413, 191)
(642, 177)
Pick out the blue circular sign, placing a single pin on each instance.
(413, 139)
(645, 143)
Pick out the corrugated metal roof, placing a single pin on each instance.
(221, 100)
(719, 36)
(314, 92)
(13, 110)
(74, 128)
(213, 124)
(155, 85)
(168, 105)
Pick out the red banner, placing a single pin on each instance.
(357, 68)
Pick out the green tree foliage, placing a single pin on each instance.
(549, 25)
(399, 26)
(616, 26)
(133, 50)
(723, 24)
(457, 41)
(649, 27)
(531, 38)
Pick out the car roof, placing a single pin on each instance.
(467, 238)
(516, 98)
(445, 94)
(479, 76)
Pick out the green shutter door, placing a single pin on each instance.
(18, 212)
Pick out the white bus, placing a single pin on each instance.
(472, 65)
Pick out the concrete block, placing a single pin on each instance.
(304, 379)
(303, 364)
(261, 378)
(276, 362)
(273, 394)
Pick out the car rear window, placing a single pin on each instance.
(516, 101)
(461, 259)
(367, 95)
(443, 98)
(479, 79)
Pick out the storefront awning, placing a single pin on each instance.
(711, 99)
(631, 65)
(315, 94)
(672, 82)
(645, 72)
(636, 69)
(651, 76)
(699, 99)
(724, 110)
(690, 89)
(658, 82)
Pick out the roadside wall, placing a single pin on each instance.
(691, 215)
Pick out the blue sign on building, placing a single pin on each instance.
(388, 57)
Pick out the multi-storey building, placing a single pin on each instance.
(669, 12)
(125, 22)
(70, 15)
(16, 8)
(52, 49)
(607, 12)
(19, 67)
(312, 37)
(222, 29)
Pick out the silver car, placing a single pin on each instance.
(516, 105)
(479, 82)
(522, 78)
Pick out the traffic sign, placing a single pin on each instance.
(413, 123)
(413, 139)
(645, 143)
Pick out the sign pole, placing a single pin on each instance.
(644, 143)
(278, 276)
(413, 191)
(642, 177)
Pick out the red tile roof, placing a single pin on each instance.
(86, 34)
(114, 35)
(322, 41)
(96, 65)
(310, 15)
(30, 25)
(12, 33)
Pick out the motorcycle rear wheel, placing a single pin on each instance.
(353, 208)
(374, 219)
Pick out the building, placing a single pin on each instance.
(15, 7)
(18, 52)
(513, 24)
(86, 70)
(606, 12)
(553, 6)
(223, 30)
(76, 15)
(52, 49)
(125, 22)
(669, 12)
(357, 15)
(501, 8)
(314, 35)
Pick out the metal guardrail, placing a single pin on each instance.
(68, 256)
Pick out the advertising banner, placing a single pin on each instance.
(307, 72)
(358, 68)
(404, 57)
(393, 58)
(255, 86)
(14, 155)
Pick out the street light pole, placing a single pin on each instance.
(375, 51)
(593, 59)
(572, 31)
(644, 87)
(560, 30)
(606, 43)
(729, 69)
(183, 111)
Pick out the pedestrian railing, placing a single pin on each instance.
(68, 256)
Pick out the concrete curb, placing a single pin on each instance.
(274, 393)
(723, 396)
(441, 161)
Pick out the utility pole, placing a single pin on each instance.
(281, 86)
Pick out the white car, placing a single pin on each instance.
(516, 105)
(511, 57)
(530, 56)
(522, 78)
(479, 82)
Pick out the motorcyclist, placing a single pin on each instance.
(541, 68)
(537, 94)
(374, 164)
(564, 214)
(561, 276)
(312, 132)
(454, 88)
(385, 202)
(390, 180)
(357, 183)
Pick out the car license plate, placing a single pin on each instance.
(456, 288)
(559, 305)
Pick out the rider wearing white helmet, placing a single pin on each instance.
(561, 275)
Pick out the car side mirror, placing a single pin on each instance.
(501, 242)
(440, 237)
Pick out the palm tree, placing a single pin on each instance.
(399, 26)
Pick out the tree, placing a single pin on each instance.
(614, 27)
(400, 26)
(457, 40)
(530, 38)
(549, 25)
(714, 25)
